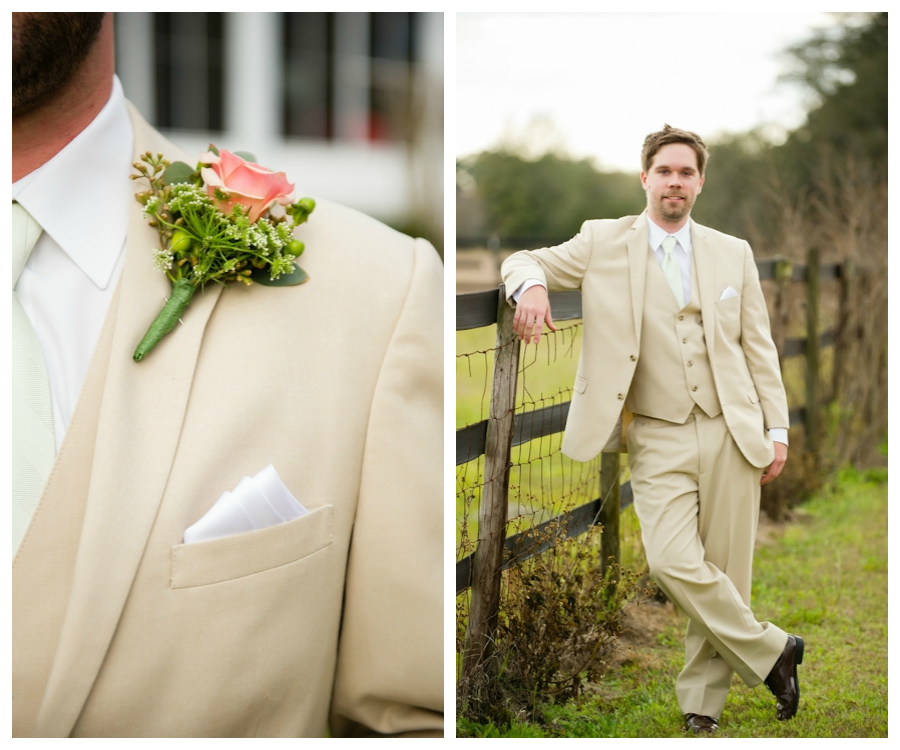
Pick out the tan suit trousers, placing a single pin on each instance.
(697, 498)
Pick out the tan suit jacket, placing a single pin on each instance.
(333, 619)
(607, 261)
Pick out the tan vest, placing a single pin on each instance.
(673, 373)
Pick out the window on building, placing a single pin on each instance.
(391, 76)
(348, 76)
(189, 70)
(308, 74)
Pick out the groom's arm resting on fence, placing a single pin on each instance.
(559, 269)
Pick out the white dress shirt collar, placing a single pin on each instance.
(78, 198)
(658, 234)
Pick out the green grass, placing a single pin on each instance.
(822, 576)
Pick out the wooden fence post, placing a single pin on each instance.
(841, 338)
(609, 510)
(811, 425)
(484, 604)
(782, 307)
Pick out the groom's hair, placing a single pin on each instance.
(655, 141)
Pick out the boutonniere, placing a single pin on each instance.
(216, 224)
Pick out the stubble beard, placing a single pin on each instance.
(47, 50)
(674, 213)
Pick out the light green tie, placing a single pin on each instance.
(671, 271)
(33, 437)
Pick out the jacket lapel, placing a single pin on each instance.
(638, 243)
(705, 258)
(139, 425)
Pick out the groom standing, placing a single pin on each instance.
(330, 622)
(676, 331)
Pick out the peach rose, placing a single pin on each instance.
(245, 183)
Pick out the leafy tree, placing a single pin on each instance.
(547, 199)
(750, 182)
(847, 70)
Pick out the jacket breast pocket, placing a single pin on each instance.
(724, 304)
(728, 316)
(232, 557)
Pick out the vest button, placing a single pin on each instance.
(681, 317)
(690, 364)
(683, 341)
(694, 388)
(633, 358)
(621, 397)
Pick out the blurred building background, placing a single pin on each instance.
(349, 105)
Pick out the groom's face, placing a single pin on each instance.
(672, 183)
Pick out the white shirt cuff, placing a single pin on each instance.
(524, 286)
(779, 435)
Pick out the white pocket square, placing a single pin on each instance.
(728, 293)
(254, 504)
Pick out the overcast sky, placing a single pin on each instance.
(598, 83)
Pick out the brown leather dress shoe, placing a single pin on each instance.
(782, 680)
(695, 723)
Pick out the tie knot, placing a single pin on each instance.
(668, 244)
(25, 234)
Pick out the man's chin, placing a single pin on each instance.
(674, 214)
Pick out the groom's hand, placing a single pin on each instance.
(532, 311)
(774, 469)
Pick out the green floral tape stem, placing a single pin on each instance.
(182, 293)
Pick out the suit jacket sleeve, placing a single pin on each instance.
(759, 349)
(389, 677)
(559, 268)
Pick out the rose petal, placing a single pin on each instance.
(211, 177)
(256, 211)
(232, 162)
(251, 182)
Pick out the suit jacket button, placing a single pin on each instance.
(690, 364)
(621, 397)
(683, 341)
(694, 388)
(681, 317)
(633, 358)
